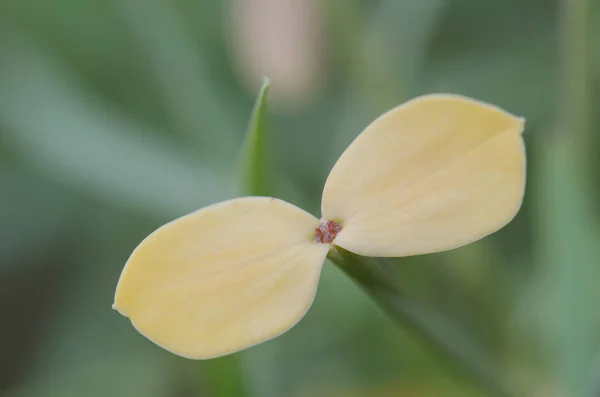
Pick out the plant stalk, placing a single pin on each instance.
(572, 202)
(378, 278)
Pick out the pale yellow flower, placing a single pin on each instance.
(433, 174)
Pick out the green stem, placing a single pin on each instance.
(224, 377)
(377, 277)
(575, 106)
(571, 204)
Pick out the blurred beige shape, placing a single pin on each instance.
(279, 39)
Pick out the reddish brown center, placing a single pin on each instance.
(327, 231)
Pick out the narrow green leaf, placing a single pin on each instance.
(569, 230)
(70, 135)
(444, 338)
(224, 376)
(254, 171)
(173, 59)
(569, 257)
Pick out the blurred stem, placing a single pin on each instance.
(224, 376)
(576, 53)
(377, 277)
(569, 200)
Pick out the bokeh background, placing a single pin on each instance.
(119, 115)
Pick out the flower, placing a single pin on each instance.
(433, 174)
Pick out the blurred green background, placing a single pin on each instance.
(119, 115)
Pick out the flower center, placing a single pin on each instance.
(327, 231)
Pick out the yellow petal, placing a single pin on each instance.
(433, 174)
(223, 278)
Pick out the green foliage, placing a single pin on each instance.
(118, 116)
(378, 278)
(254, 158)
